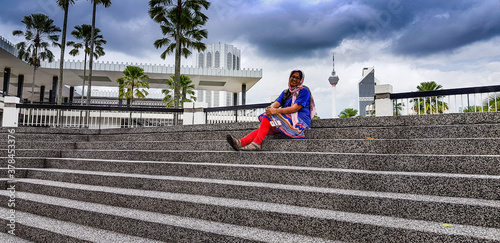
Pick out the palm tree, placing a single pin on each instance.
(398, 108)
(186, 87)
(83, 33)
(106, 4)
(35, 48)
(64, 4)
(133, 80)
(348, 112)
(492, 102)
(427, 105)
(168, 99)
(179, 21)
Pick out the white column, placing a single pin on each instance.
(383, 102)
(334, 101)
(10, 112)
(193, 113)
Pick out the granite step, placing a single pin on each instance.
(32, 153)
(396, 132)
(461, 164)
(157, 226)
(469, 146)
(8, 238)
(444, 146)
(438, 184)
(24, 162)
(43, 137)
(105, 190)
(35, 228)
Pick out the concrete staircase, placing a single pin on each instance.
(421, 179)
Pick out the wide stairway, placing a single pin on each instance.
(433, 178)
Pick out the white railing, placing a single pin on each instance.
(245, 113)
(476, 99)
(104, 118)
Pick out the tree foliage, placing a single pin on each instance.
(133, 83)
(83, 34)
(429, 105)
(187, 88)
(348, 112)
(180, 22)
(40, 30)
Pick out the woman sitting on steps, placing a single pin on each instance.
(290, 114)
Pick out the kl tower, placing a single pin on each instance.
(334, 79)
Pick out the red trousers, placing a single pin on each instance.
(258, 135)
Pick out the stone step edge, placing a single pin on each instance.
(70, 229)
(297, 168)
(221, 228)
(210, 200)
(5, 237)
(225, 127)
(237, 231)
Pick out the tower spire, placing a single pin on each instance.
(334, 79)
(333, 61)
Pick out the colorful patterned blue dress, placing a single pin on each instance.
(283, 122)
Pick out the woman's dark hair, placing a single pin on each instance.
(287, 95)
(297, 71)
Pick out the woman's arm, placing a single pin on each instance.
(276, 104)
(287, 110)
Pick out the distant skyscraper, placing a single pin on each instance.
(367, 90)
(334, 79)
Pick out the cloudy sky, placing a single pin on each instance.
(453, 42)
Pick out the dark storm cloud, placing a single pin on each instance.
(438, 30)
(125, 25)
(294, 28)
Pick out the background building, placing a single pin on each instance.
(366, 88)
(222, 56)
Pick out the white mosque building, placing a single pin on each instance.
(218, 56)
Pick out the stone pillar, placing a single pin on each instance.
(243, 94)
(20, 86)
(383, 102)
(194, 113)
(71, 94)
(6, 81)
(42, 93)
(53, 92)
(235, 98)
(10, 112)
(51, 97)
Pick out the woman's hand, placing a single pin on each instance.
(287, 110)
(271, 111)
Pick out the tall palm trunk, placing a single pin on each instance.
(177, 78)
(35, 62)
(63, 48)
(91, 53)
(84, 73)
(33, 85)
